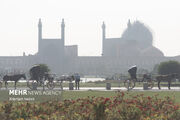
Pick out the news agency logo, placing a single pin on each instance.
(18, 92)
(32, 95)
(34, 92)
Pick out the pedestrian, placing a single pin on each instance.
(77, 80)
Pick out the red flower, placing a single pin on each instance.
(149, 98)
(107, 99)
(176, 107)
(122, 94)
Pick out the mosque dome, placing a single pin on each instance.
(138, 32)
(129, 48)
(152, 51)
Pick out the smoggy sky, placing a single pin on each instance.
(83, 20)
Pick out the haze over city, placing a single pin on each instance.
(83, 20)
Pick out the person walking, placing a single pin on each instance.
(77, 80)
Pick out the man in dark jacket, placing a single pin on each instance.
(77, 80)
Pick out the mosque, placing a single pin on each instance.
(134, 47)
(136, 40)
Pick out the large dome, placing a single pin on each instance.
(138, 32)
(152, 52)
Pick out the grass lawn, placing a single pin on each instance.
(81, 94)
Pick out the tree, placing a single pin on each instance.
(44, 68)
(169, 67)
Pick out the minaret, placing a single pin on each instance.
(39, 35)
(62, 31)
(103, 36)
(129, 23)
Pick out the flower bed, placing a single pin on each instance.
(119, 107)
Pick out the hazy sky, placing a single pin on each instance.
(83, 20)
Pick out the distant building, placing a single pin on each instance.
(136, 40)
(134, 47)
